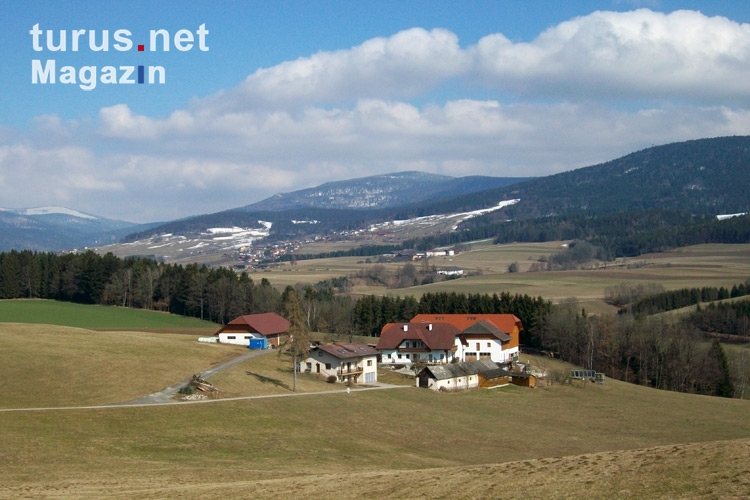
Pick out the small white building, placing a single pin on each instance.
(451, 271)
(354, 362)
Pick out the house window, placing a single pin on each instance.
(369, 362)
(489, 345)
(308, 367)
(478, 346)
(399, 356)
(328, 366)
(247, 337)
(231, 337)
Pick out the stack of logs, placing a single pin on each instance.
(200, 384)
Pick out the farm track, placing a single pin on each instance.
(165, 396)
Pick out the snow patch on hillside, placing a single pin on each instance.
(729, 216)
(430, 220)
(52, 210)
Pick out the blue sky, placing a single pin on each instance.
(294, 94)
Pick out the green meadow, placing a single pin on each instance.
(93, 316)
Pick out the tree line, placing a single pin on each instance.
(684, 297)
(371, 312)
(723, 318)
(651, 352)
(213, 294)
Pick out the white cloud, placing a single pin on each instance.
(346, 114)
(639, 54)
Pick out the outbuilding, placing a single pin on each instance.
(266, 327)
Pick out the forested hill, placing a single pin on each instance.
(703, 177)
(381, 191)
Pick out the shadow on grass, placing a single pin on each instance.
(268, 380)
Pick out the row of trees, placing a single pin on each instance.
(212, 294)
(722, 318)
(371, 312)
(676, 299)
(652, 352)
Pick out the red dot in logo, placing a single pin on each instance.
(141, 48)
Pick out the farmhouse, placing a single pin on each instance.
(451, 271)
(404, 343)
(462, 376)
(353, 362)
(269, 327)
(481, 336)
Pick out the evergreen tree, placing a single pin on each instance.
(298, 344)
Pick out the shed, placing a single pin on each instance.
(523, 379)
(460, 376)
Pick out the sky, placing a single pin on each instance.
(259, 98)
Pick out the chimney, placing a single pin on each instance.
(406, 328)
(429, 327)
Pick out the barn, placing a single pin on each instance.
(242, 330)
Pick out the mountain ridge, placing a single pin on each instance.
(379, 191)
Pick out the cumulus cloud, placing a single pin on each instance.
(350, 113)
(639, 54)
(403, 65)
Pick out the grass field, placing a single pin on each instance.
(60, 366)
(51, 312)
(603, 441)
(612, 440)
(700, 265)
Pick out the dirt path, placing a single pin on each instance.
(166, 396)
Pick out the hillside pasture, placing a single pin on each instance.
(48, 366)
(486, 266)
(404, 443)
(52, 312)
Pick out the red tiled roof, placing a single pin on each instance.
(504, 322)
(348, 351)
(265, 324)
(441, 337)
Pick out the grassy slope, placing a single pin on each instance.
(47, 365)
(225, 448)
(311, 445)
(92, 316)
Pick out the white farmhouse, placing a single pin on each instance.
(354, 362)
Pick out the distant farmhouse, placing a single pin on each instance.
(451, 271)
(447, 338)
(352, 363)
(267, 328)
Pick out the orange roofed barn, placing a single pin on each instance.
(481, 336)
(241, 330)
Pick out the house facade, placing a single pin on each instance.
(353, 362)
(461, 376)
(405, 343)
(243, 329)
(492, 337)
